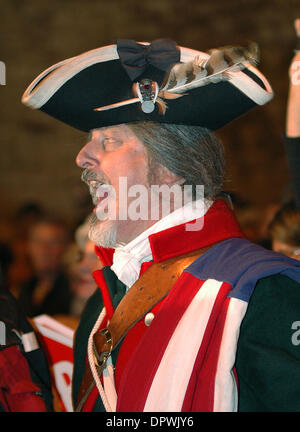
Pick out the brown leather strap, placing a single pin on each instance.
(148, 290)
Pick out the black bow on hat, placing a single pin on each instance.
(135, 57)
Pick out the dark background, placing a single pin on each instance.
(37, 152)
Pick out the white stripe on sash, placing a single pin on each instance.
(170, 382)
(225, 395)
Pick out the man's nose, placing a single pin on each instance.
(87, 157)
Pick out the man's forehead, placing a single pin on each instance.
(110, 130)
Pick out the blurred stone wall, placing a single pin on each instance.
(37, 152)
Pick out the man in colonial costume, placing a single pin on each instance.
(198, 318)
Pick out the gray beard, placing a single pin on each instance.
(103, 233)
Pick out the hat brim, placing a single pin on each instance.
(71, 90)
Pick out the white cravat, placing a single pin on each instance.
(127, 260)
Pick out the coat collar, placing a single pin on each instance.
(219, 223)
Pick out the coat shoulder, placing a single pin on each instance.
(268, 352)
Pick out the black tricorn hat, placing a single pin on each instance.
(158, 81)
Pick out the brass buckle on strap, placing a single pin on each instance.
(101, 359)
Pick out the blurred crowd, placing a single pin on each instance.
(47, 268)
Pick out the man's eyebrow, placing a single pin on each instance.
(116, 133)
(107, 132)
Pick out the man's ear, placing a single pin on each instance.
(168, 177)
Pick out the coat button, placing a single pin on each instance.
(148, 318)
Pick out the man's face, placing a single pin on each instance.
(285, 249)
(111, 154)
(46, 245)
(81, 270)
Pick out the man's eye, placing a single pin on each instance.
(111, 144)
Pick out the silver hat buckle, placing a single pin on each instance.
(147, 92)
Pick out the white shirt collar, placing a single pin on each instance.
(127, 260)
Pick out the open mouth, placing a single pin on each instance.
(100, 193)
(98, 190)
(101, 196)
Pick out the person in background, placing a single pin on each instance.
(25, 383)
(20, 268)
(81, 267)
(284, 231)
(87, 284)
(254, 221)
(292, 134)
(48, 290)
